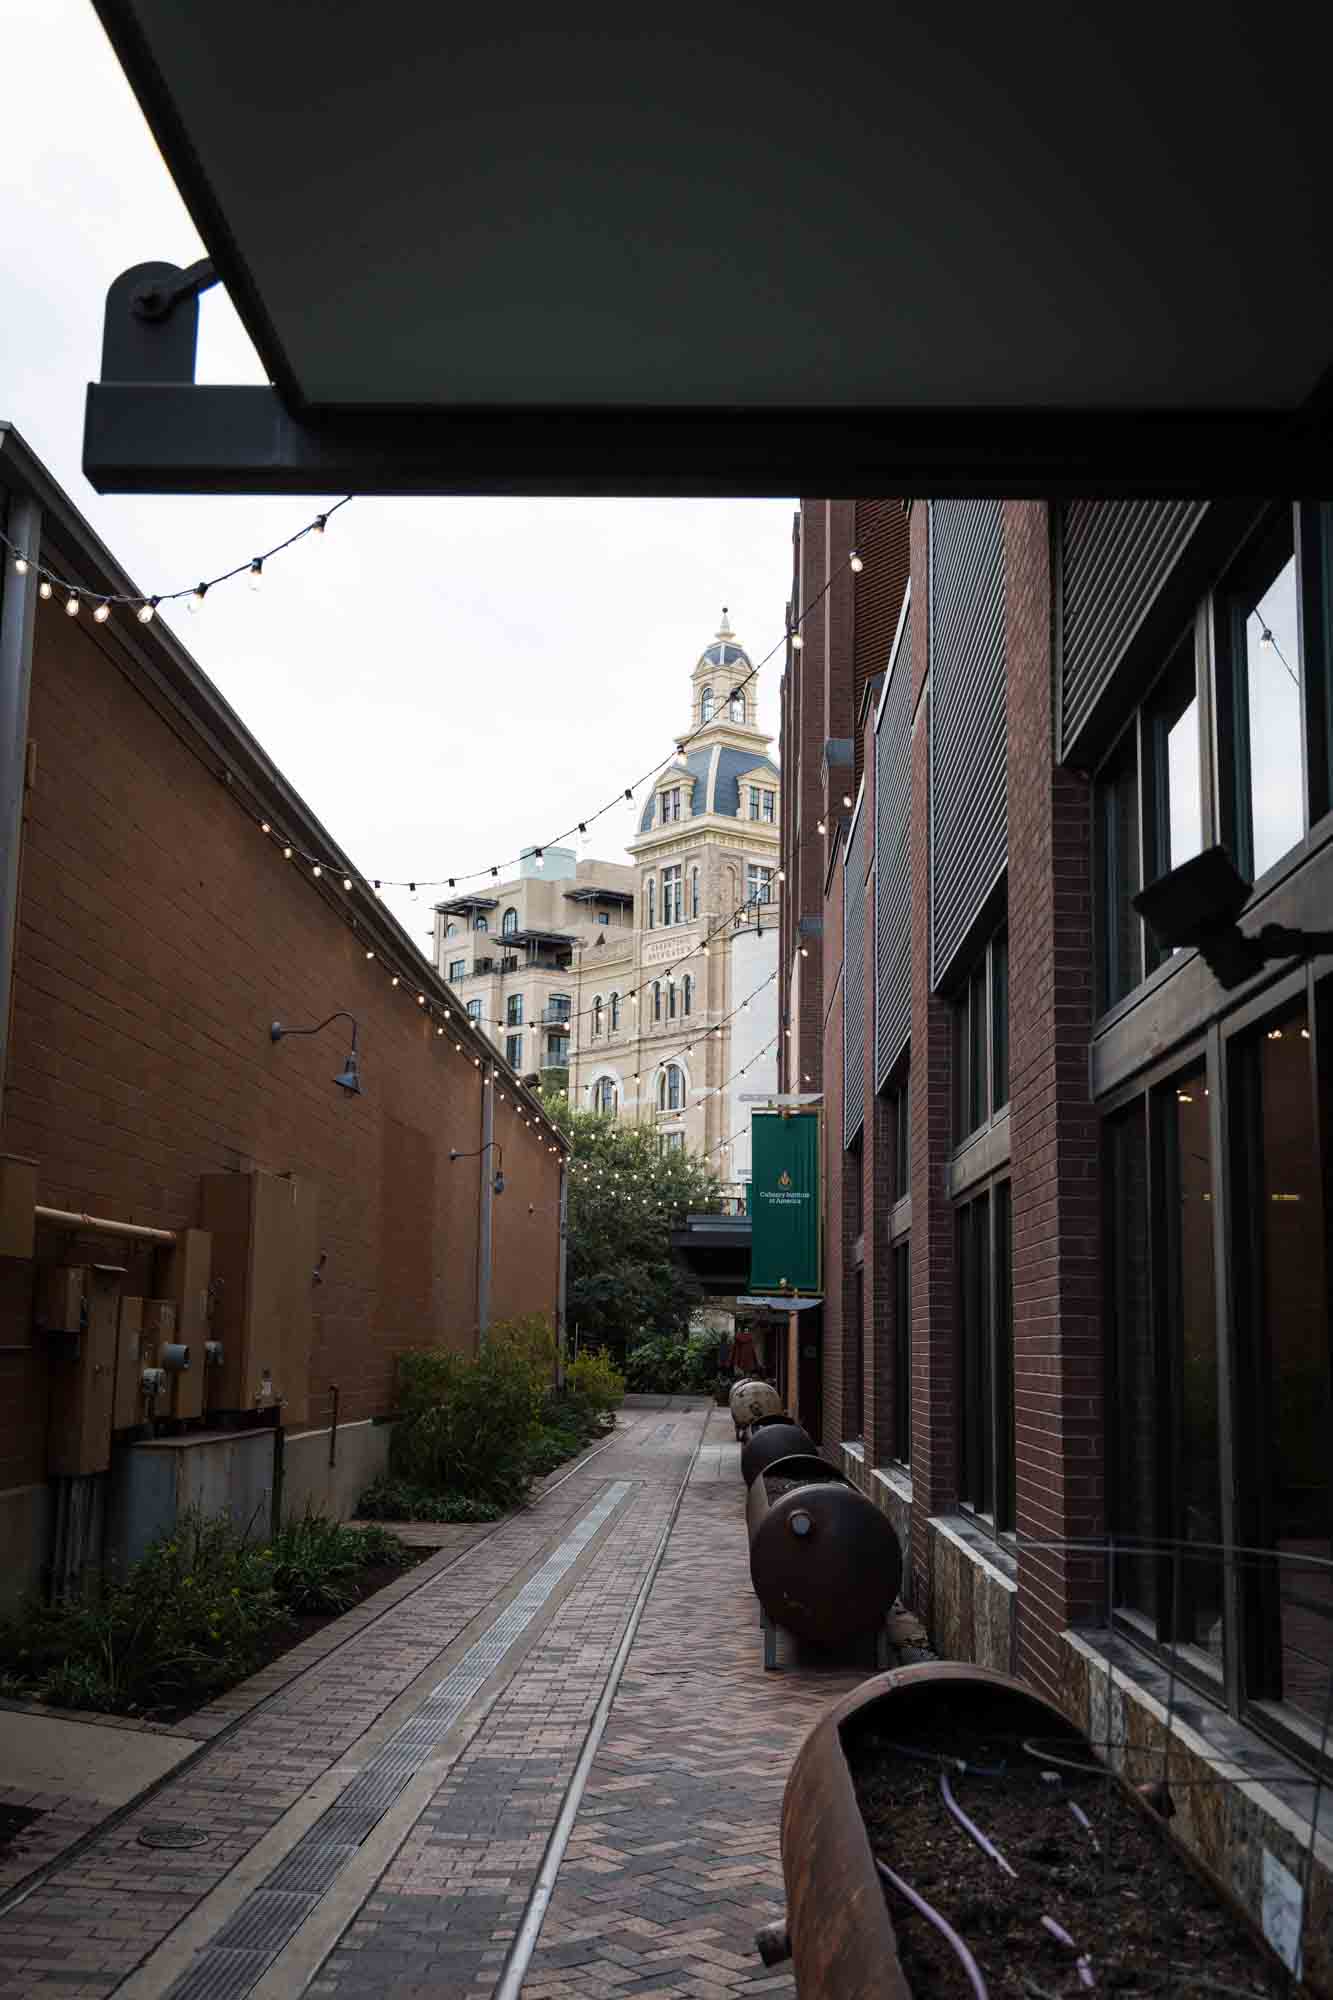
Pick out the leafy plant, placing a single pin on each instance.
(316, 1561)
(465, 1424)
(624, 1197)
(391, 1499)
(665, 1365)
(594, 1376)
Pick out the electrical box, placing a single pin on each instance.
(62, 1298)
(185, 1280)
(128, 1403)
(83, 1380)
(18, 1199)
(263, 1228)
(159, 1322)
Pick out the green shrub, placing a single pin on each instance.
(595, 1376)
(316, 1561)
(392, 1499)
(530, 1339)
(465, 1425)
(665, 1365)
(192, 1616)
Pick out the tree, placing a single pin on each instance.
(624, 1199)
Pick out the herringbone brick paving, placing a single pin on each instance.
(673, 1862)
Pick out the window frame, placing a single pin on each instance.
(514, 1052)
(457, 970)
(474, 1011)
(673, 895)
(613, 1014)
(979, 1036)
(514, 1011)
(983, 1268)
(509, 922)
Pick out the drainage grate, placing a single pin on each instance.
(171, 1833)
(256, 1932)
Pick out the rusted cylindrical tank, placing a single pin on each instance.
(773, 1441)
(751, 1398)
(827, 1860)
(825, 1563)
(803, 1466)
(779, 1417)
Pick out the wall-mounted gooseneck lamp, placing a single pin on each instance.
(350, 1079)
(499, 1182)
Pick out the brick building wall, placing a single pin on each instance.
(1058, 1370)
(159, 935)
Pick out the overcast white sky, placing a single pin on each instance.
(443, 680)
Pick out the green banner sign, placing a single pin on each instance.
(785, 1233)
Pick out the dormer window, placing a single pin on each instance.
(706, 705)
(671, 803)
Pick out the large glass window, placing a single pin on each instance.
(597, 1015)
(981, 1040)
(557, 1051)
(1167, 1445)
(604, 1096)
(985, 1388)
(457, 970)
(1119, 875)
(614, 1012)
(514, 1051)
(758, 883)
(474, 1010)
(671, 1088)
(1284, 1369)
(902, 1352)
(514, 1011)
(509, 924)
(687, 993)
(673, 908)
(1260, 645)
(706, 705)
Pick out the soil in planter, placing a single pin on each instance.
(1138, 1916)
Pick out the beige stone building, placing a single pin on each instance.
(661, 1020)
(512, 953)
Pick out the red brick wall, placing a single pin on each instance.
(934, 1340)
(838, 1401)
(159, 935)
(1053, 1128)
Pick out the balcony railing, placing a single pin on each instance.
(555, 1016)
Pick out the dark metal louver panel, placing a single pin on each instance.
(1115, 555)
(893, 862)
(968, 738)
(854, 983)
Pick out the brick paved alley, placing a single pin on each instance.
(377, 1805)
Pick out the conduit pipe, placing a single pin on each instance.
(101, 1225)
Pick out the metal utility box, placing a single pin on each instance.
(263, 1259)
(18, 1199)
(128, 1403)
(62, 1298)
(83, 1380)
(185, 1281)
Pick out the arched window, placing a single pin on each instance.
(687, 994)
(694, 892)
(706, 705)
(597, 1015)
(650, 892)
(657, 999)
(671, 1088)
(450, 930)
(737, 706)
(671, 999)
(604, 1095)
(510, 924)
(480, 924)
(615, 1013)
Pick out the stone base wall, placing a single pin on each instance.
(1252, 1835)
(891, 1492)
(972, 1596)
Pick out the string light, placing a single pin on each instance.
(287, 853)
(317, 871)
(102, 613)
(820, 826)
(854, 562)
(72, 604)
(145, 606)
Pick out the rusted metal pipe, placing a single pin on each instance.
(101, 1225)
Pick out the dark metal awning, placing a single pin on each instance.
(916, 249)
(598, 896)
(780, 1303)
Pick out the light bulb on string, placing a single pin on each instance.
(538, 858)
(820, 826)
(854, 562)
(796, 642)
(72, 605)
(20, 565)
(347, 881)
(102, 613)
(847, 800)
(256, 576)
(147, 611)
(317, 871)
(195, 601)
(394, 980)
(287, 853)
(370, 954)
(264, 826)
(44, 589)
(317, 527)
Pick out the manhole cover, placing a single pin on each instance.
(162, 1833)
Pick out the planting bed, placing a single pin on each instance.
(1129, 1913)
